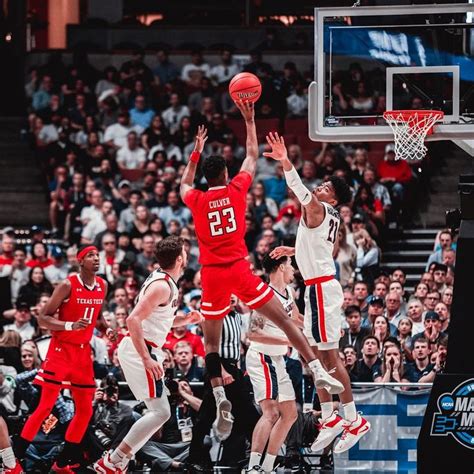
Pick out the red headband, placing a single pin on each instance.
(81, 254)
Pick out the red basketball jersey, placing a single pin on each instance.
(82, 303)
(219, 218)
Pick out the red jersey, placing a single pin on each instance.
(193, 339)
(82, 303)
(219, 219)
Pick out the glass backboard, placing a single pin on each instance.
(369, 60)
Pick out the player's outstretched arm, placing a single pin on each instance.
(282, 251)
(304, 195)
(190, 171)
(48, 318)
(248, 113)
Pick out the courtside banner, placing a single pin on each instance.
(396, 417)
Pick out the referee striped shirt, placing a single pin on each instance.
(231, 334)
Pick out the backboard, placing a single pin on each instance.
(372, 59)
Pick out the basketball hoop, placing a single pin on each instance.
(410, 128)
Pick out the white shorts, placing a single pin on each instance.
(323, 314)
(141, 383)
(270, 380)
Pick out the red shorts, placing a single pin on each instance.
(67, 365)
(220, 281)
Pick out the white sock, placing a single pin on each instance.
(118, 457)
(8, 457)
(219, 393)
(255, 459)
(350, 413)
(326, 410)
(268, 462)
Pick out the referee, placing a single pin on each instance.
(237, 390)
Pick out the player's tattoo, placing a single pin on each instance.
(256, 321)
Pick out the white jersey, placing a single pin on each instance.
(314, 247)
(157, 326)
(271, 329)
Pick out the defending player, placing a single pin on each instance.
(314, 250)
(71, 314)
(140, 353)
(219, 217)
(266, 367)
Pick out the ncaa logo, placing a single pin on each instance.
(456, 415)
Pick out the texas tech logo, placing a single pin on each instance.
(456, 415)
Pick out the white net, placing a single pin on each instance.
(410, 129)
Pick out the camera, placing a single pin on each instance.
(171, 383)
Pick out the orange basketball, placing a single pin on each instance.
(245, 86)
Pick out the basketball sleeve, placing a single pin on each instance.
(242, 181)
(296, 185)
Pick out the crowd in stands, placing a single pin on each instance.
(113, 145)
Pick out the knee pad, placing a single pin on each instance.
(213, 365)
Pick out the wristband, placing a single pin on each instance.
(194, 157)
(68, 325)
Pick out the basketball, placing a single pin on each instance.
(245, 86)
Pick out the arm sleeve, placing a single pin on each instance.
(296, 185)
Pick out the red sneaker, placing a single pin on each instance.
(331, 428)
(68, 469)
(351, 435)
(105, 466)
(14, 470)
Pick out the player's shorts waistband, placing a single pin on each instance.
(78, 345)
(318, 280)
(147, 342)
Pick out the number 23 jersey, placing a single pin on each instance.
(314, 247)
(219, 218)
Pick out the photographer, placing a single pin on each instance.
(110, 421)
(169, 447)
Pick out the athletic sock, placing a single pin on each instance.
(350, 413)
(8, 458)
(255, 459)
(268, 462)
(118, 457)
(326, 410)
(219, 394)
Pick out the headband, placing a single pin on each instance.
(82, 253)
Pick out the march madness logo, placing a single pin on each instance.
(456, 415)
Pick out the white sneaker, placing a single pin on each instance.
(330, 429)
(352, 433)
(322, 379)
(224, 420)
(253, 470)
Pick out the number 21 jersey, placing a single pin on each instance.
(219, 218)
(314, 247)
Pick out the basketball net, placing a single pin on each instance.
(410, 128)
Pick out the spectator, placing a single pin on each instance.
(224, 72)
(379, 191)
(109, 256)
(368, 256)
(359, 164)
(127, 215)
(37, 284)
(174, 211)
(381, 329)
(420, 368)
(370, 362)
(59, 270)
(141, 223)
(355, 333)
(7, 249)
(29, 356)
(42, 97)
(141, 115)
(394, 174)
(380, 289)
(173, 115)
(361, 292)
(346, 257)
(366, 204)
(263, 204)
(7, 390)
(449, 258)
(421, 290)
(297, 102)
(348, 298)
(10, 353)
(185, 363)
(181, 333)
(431, 300)
(109, 82)
(16, 271)
(165, 71)
(39, 256)
(308, 170)
(154, 134)
(146, 258)
(350, 361)
(193, 72)
(444, 315)
(116, 135)
(375, 308)
(415, 313)
(432, 329)
(287, 225)
(131, 156)
(445, 242)
(361, 100)
(275, 187)
(111, 227)
(440, 271)
(393, 311)
(93, 212)
(22, 324)
(404, 336)
(447, 297)
(392, 369)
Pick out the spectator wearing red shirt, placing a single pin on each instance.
(395, 174)
(184, 334)
(8, 246)
(39, 256)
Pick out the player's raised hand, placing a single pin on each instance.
(247, 109)
(154, 367)
(282, 251)
(277, 144)
(80, 324)
(201, 138)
